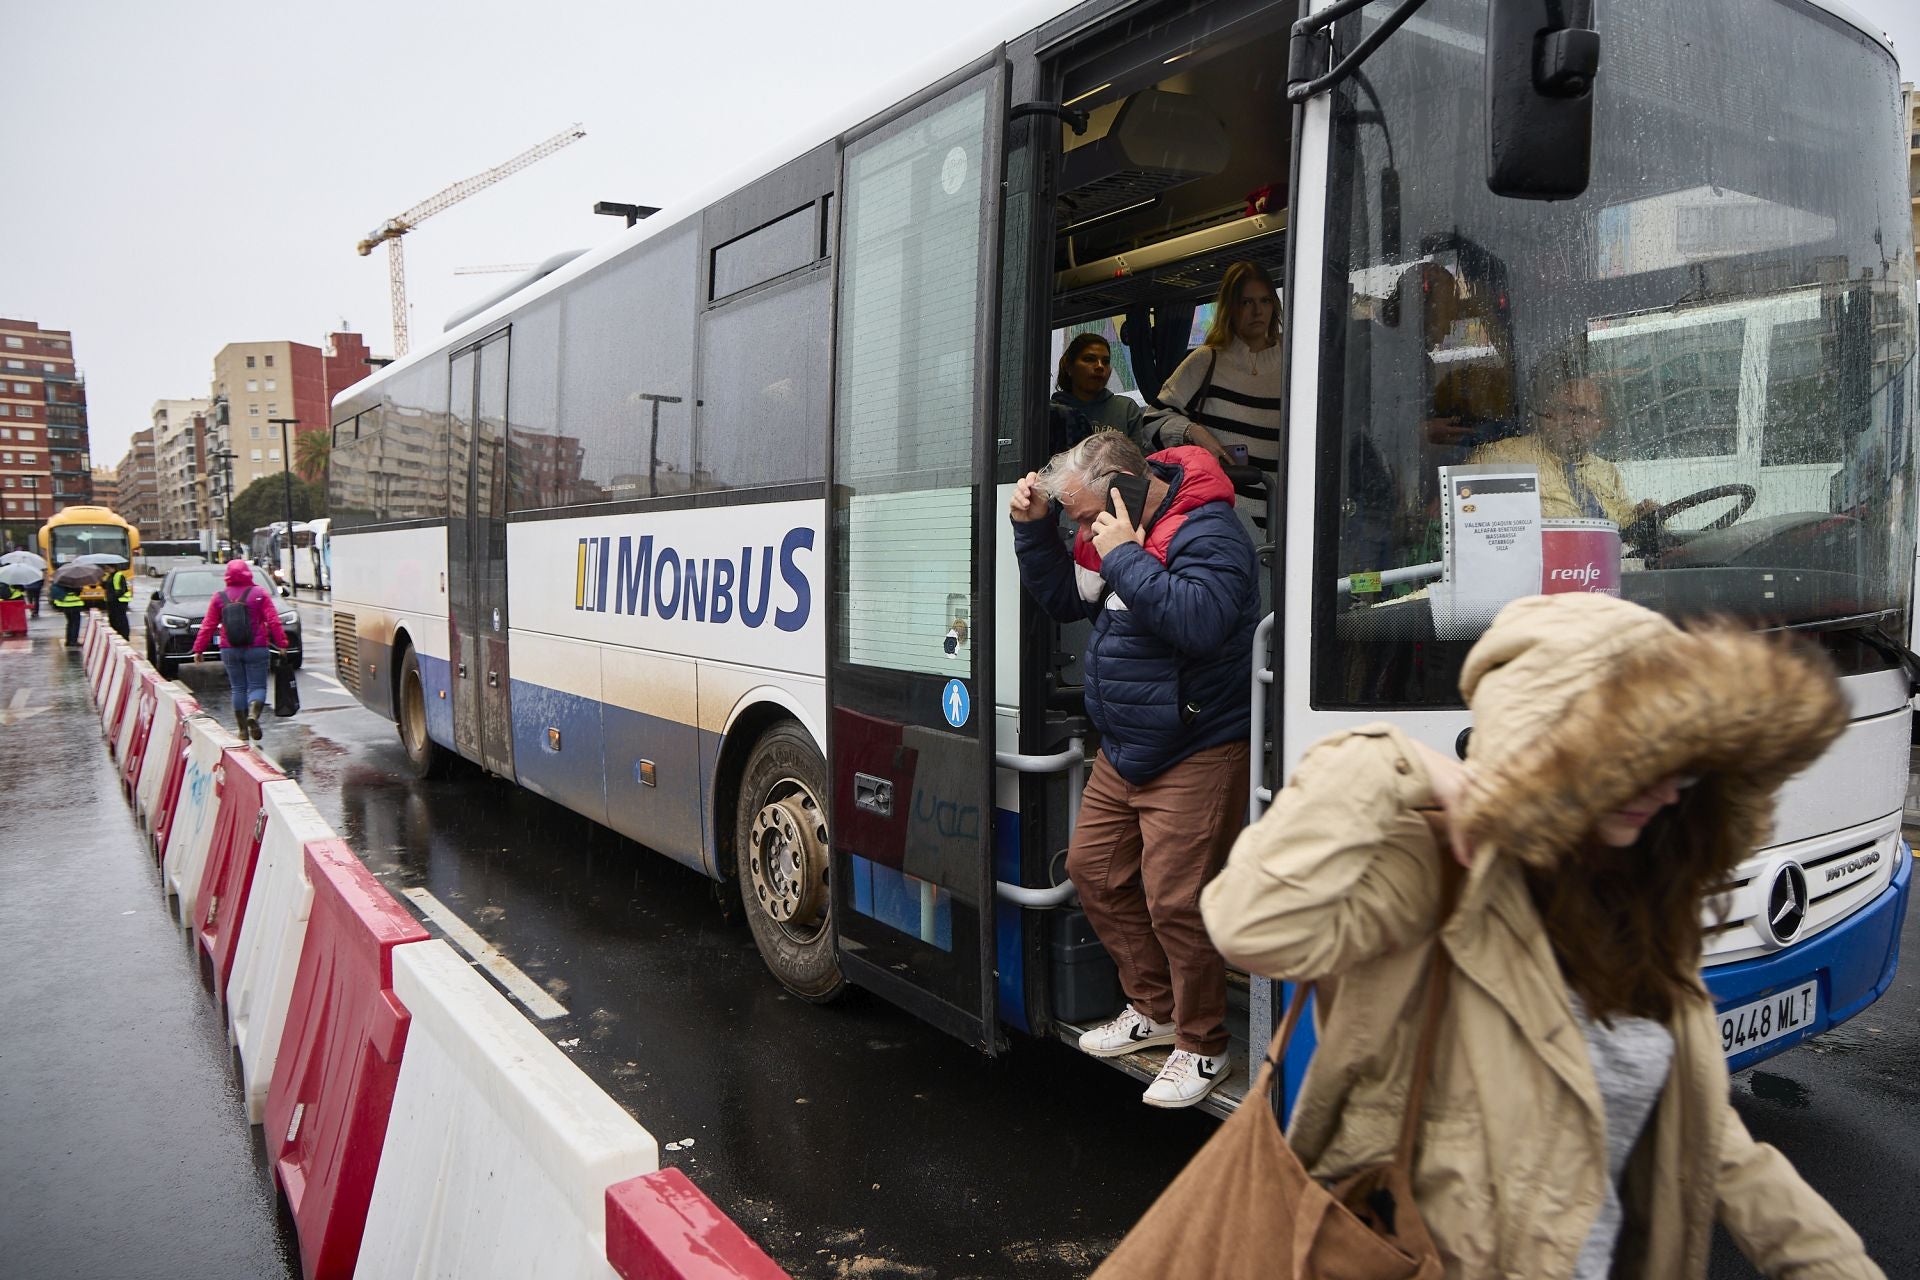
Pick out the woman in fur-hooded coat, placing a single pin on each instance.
(1588, 713)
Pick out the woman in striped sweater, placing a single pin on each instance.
(1225, 396)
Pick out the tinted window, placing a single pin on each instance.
(544, 465)
(773, 250)
(626, 372)
(394, 467)
(763, 387)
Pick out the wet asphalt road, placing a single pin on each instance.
(850, 1140)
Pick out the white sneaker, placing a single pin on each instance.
(1187, 1078)
(1131, 1031)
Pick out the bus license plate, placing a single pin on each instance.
(1780, 1014)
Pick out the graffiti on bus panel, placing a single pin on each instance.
(642, 576)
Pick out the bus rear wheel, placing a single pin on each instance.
(781, 844)
(425, 759)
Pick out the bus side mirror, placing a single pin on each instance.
(1542, 56)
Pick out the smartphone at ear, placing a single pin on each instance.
(1133, 492)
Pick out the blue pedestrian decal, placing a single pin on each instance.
(955, 705)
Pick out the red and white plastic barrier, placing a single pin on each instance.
(662, 1227)
(130, 730)
(191, 834)
(160, 766)
(339, 1059)
(220, 907)
(272, 933)
(125, 714)
(113, 674)
(505, 1160)
(499, 1149)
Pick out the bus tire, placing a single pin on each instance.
(425, 759)
(780, 844)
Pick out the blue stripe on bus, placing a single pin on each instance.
(436, 683)
(666, 817)
(571, 768)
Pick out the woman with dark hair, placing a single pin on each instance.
(1225, 396)
(1576, 1120)
(1081, 403)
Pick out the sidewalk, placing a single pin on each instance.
(126, 1148)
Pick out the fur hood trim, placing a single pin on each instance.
(1582, 702)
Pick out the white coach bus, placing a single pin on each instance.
(703, 534)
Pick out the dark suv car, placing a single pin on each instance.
(175, 612)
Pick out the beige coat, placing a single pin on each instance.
(1580, 703)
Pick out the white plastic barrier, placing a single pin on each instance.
(111, 679)
(130, 714)
(267, 956)
(194, 815)
(163, 744)
(499, 1151)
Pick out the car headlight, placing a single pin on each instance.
(289, 617)
(172, 620)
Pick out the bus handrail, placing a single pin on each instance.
(1259, 795)
(1071, 759)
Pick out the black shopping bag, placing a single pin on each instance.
(286, 692)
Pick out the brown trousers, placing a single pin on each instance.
(1139, 857)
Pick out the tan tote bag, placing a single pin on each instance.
(1245, 1208)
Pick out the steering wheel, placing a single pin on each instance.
(1652, 527)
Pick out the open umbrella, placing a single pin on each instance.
(19, 575)
(106, 559)
(77, 573)
(24, 557)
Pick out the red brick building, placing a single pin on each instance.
(44, 463)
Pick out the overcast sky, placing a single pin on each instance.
(188, 174)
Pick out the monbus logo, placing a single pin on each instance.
(633, 576)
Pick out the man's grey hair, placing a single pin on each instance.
(1090, 466)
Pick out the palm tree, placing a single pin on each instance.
(311, 452)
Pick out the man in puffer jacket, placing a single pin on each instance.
(1174, 599)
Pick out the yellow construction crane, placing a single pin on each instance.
(392, 229)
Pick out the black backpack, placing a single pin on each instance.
(236, 621)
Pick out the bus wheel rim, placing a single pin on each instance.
(787, 859)
(416, 705)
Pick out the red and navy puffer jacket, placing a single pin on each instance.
(1167, 665)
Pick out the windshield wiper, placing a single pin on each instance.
(1311, 47)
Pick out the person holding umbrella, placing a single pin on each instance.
(244, 618)
(119, 588)
(38, 565)
(67, 583)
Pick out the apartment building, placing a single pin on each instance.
(139, 483)
(179, 467)
(106, 487)
(256, 382)
(44, 465)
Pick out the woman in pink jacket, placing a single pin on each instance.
(244, 653)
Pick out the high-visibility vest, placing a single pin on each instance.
(65, 597)
(122, 587)
(10, 592)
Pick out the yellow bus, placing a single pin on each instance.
(81, 531)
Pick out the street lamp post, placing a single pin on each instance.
(224, 457)
(286, 469)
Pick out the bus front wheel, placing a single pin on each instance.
(425, 759)
(780, 839)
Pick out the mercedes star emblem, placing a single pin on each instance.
(1787, 903)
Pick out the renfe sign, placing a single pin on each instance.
(1579, 555)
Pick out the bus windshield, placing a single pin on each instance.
(1703, 367)
(73, 540)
